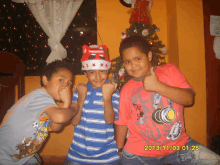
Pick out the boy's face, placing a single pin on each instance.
(136, 63)
(96, 77)
(62, 78)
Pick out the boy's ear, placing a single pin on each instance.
(150, 56)
(45, 80)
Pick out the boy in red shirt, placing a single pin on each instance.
(151, 109)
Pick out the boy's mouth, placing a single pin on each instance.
(135, 71)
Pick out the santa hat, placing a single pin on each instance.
(95, 57)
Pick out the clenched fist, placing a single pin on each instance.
(108, 89)
(65, 95)
(81, 89)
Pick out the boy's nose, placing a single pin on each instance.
(65, 84)
(132, 64)
(98, 75)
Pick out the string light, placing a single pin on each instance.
(30, 35)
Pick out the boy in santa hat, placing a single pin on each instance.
(98, 101)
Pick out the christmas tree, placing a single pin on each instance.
(141, 25)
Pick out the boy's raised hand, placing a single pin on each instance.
(151, 82)
(81, 89)
(65, 95)
(108, 89)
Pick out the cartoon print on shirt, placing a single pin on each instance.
(164, 128)
(42, 132)
(164, 115)
(28, 146)
(139, 111)
(175, 131)
(35, 125)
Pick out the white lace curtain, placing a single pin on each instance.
(54, 16)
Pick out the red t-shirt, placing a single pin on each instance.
(147, 136)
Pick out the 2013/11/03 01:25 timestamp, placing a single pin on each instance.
(174, 147)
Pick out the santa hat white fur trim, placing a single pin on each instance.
(96, 64)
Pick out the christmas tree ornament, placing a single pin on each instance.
(164, 50)
(141, 12)
(122, 74)
(158, 29)
(145, 32)
(151, 43)
(124, 35)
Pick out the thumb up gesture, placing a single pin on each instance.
(150, 81)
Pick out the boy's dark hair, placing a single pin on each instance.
(53, 67)
(134, 41)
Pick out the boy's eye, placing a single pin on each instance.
(127, 62)
(138, 59)
(69, 84)
(61, 80)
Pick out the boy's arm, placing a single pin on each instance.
(181, 96)
(61, 115)
(120, 136)
(109, 113)
(82, 91)
(107, 91)
(55, 126)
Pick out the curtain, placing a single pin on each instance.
(54, 17)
